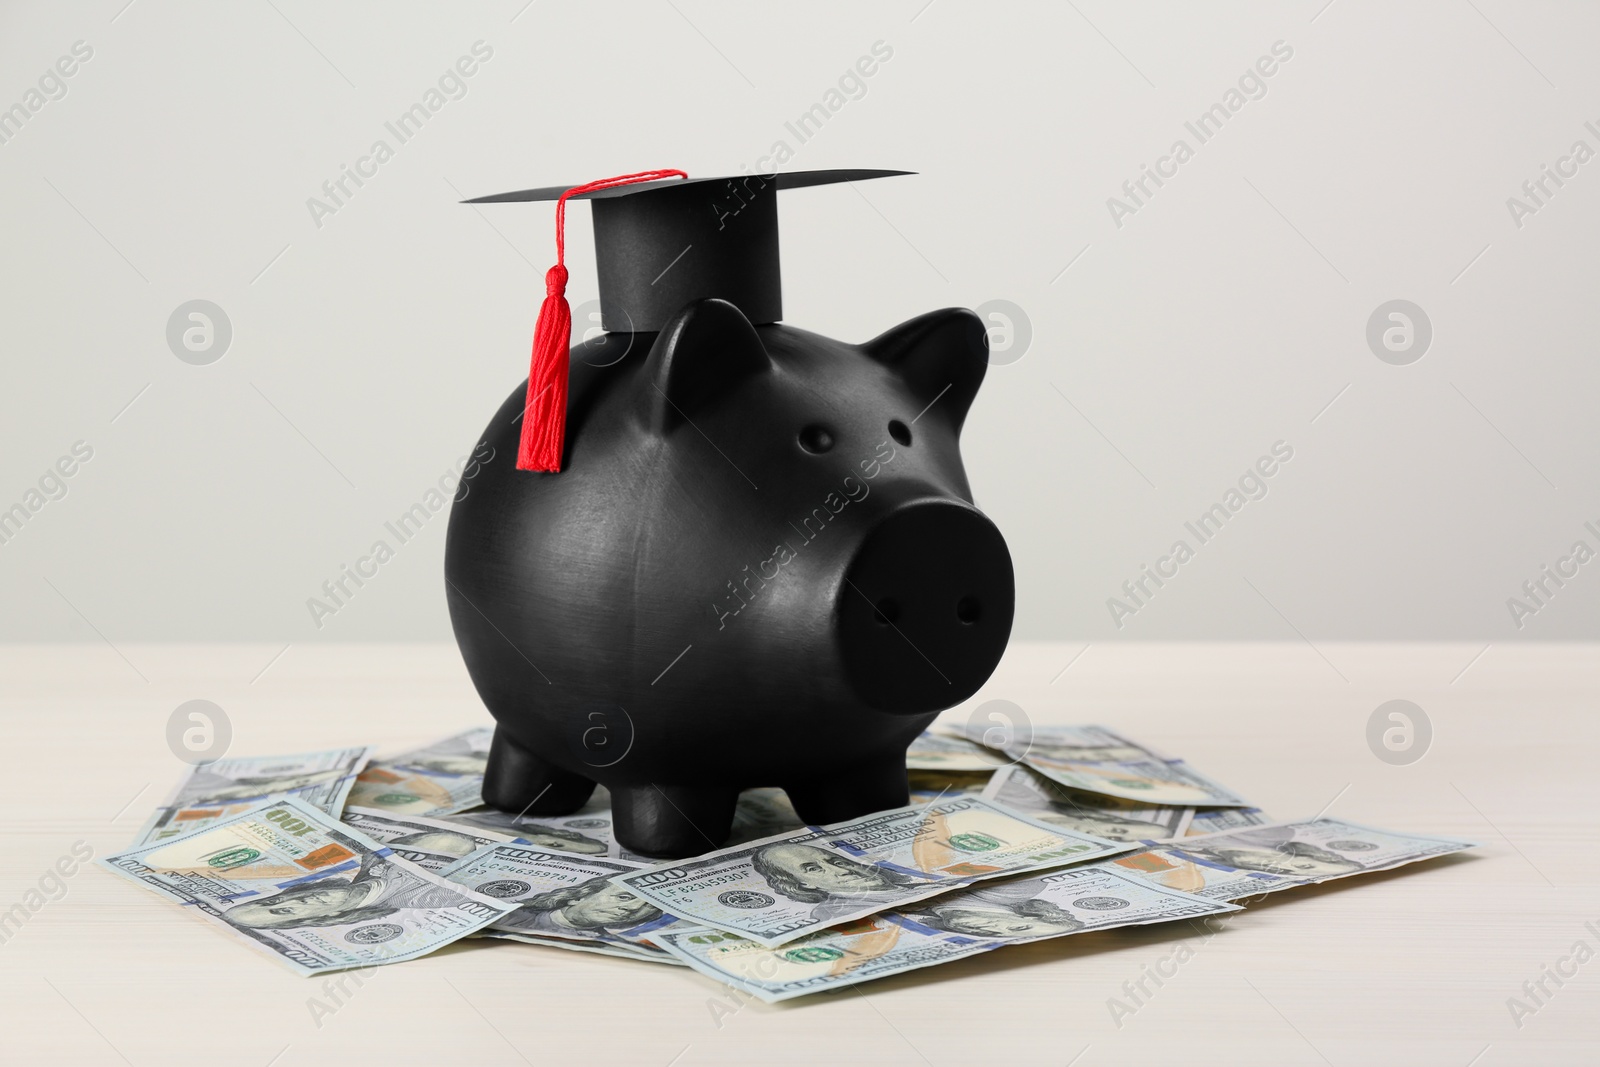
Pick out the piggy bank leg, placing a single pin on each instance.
(517, 781)
(672, 821)
(852, 792)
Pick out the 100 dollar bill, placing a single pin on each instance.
(1112, 818)
(1236, 864)
(941, 752)
(620, 950)
(429, 843)
(778, 889)
(854, 952)
(561, 896)
(289, 880)
(437, 779)
(216, 791)
(1216, 820)
(940, 930)
(930, 786)
(1096, 759)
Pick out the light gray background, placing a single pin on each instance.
(1229, 313)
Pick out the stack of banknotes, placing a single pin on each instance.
(335, 859)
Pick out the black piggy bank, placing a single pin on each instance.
(760, 566)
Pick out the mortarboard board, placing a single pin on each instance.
(662, 240)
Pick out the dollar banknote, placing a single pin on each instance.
(1215, 820)
(559, 895)
(1170, 868)
(585, 832)
(942, 752)
(760, 813)
(429, 843)
(778, 889)
(1076, 744)
(940, 930)
(1024, 789)
(1073, 901)
(848, 954)
(1096, 759)
(963, 837)
(1236, 864)
(603, 948)
(588, 831)
(216, 791)
(437, 779)
(291, 881)
(928, 786)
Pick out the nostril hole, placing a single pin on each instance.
(885, 611)
(816, 439)
(968, 609)
(900, 431)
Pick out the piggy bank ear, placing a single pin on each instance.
(941, 355)
(704, 351)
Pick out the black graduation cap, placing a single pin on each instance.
(661, 240)
(660, 244)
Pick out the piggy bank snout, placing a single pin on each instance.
(925, 608)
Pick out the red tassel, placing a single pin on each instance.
(544, 413)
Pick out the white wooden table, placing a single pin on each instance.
(1414, 967)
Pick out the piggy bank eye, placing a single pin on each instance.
(900, 431)
(816, 439)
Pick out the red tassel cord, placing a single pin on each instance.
(544, 413)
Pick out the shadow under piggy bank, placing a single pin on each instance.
(759, 566)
